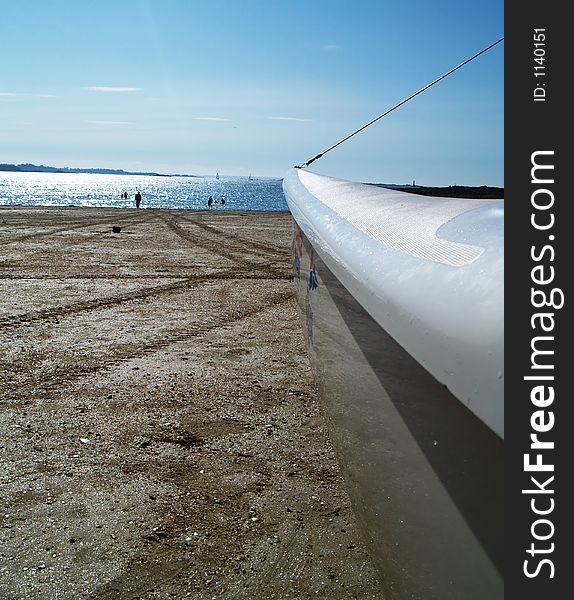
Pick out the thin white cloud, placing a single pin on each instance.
(14, 94)
(330, 47)
(289, 119)
(209, 119)
(112, 90)
(110, 122)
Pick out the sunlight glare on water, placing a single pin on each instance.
(87, 189)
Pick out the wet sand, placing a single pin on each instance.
(160, 432)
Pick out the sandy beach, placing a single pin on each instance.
(160, 432)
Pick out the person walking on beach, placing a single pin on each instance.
(210, 201)
(138, 199)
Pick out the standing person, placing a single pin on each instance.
(210, 201)
(138, 199)
(222, 200)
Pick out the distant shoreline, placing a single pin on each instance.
(482, 192)
(30, 168)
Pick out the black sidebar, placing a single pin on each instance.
(538, 397)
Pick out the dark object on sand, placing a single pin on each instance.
(116, 228)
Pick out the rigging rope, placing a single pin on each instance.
(426, 87)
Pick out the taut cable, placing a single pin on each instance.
(426, 87)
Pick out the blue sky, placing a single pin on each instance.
(254, 87)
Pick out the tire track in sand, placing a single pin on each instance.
(46, 383)
(247, 243)
(232, 250)
(246, 269)
(55, 312)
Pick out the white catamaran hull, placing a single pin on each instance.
(402, 296)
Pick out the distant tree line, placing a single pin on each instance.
(30, 168)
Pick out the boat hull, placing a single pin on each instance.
(425, 474)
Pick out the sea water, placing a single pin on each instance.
(87, 189)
